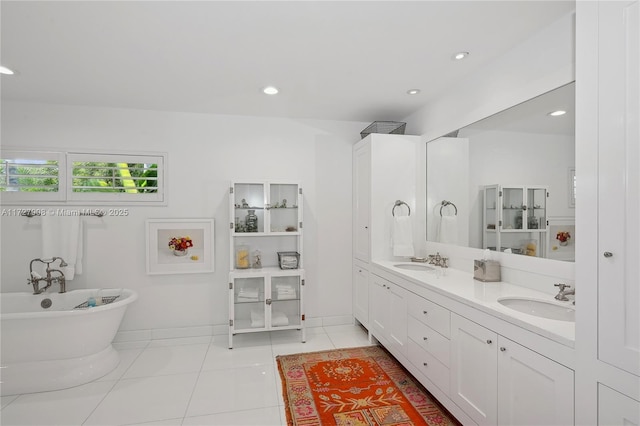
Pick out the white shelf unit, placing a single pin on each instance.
(265, 298)
(515, 217)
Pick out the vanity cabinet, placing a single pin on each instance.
(266, 278)
(388, 314)
(497, 381)
(515, 217)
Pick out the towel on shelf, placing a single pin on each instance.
(285, 291)
(278, 319)
(248, 295)
(257, 319)
(62, 236)
(402, 236)
(448, 231)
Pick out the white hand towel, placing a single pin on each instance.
(402, 236)
(62, 237)
(279, 319)
(448, 232)
(257, 319)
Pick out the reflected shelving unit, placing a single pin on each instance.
(515, 218)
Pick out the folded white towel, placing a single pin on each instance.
(448, 232)
(248, 292)
(257, 319)
(402, 236)
(62, 237)
(279, 319)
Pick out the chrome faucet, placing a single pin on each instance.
(562, 294)
(437, 260)
(35, 278)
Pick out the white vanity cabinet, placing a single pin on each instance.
(497, 381)
(515, 217)
(388, 314)
(265, 294)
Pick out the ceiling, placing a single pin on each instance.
(335, 60)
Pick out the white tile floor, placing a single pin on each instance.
(191, 381)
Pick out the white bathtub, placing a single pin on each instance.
(57, 347)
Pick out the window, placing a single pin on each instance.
(77, 178)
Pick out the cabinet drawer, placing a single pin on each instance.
(428, 365)
(430, 340)
(435, 316)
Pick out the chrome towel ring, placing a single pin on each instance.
(397, 204)
(446, 203)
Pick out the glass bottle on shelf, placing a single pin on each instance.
(251, 221)
(242, 257)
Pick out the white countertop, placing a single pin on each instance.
(461, 286)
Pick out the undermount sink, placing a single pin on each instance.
(540, 308)
(414, 266)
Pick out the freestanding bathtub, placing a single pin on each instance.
(63, 345)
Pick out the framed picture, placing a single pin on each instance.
(180, 246)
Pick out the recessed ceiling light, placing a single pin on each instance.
(557, 113)
(270, 90)
(5, 70)
(460, 55)
(413, 91)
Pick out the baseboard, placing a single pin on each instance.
(213, 330)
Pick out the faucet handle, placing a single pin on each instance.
(562, 286)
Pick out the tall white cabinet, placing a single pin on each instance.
(266, 275)
(608, 188)
(393, 157)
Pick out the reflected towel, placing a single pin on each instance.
(278, 319)
(402, 236)
(448, 232)
(62, 237)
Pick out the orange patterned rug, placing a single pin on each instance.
(357, 386)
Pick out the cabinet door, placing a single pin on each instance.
(397, 302)
(248, 203)
(491, 218)
(285, 301)
(248, 309)
(362, 201)
(532, 389)
(513, 205)
(282, 208)
(615, 408)
(474, 370)
(379, 312)
(619, 186)
(361, 294)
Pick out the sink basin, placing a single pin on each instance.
(540, 308)
(414, 267)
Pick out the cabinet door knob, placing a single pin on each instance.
(424, 363)
(424, 312)
(502, 348)
(608, 254)
(425, 339)
(489, 341)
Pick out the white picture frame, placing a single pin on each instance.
(160, 257)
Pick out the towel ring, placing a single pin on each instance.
(446, 203)
(397, 204)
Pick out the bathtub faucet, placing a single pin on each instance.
(35, 278)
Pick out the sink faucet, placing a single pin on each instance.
(35, 278)
(437, 260)
(562, 294)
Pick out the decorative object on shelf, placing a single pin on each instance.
(283, 204)
(386, 127)
(242, 257)
(245, 205)
(288, 259)
(563, 237)
(179, 246)
(251, 221)
(291, 229)
(257, 260)
(351, 375)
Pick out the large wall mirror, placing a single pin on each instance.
(507, 182)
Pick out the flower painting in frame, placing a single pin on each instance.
(180, 246)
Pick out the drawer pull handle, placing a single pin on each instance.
(424, 363)
(489, 341)
(424, 338)
(502, 348)
(424, 312)
(608, 254)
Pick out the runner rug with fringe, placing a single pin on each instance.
(355, 386)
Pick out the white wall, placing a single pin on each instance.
(538, 65)
(205, 152)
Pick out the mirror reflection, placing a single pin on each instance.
(508, 182)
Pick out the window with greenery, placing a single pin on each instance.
(81, 177)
